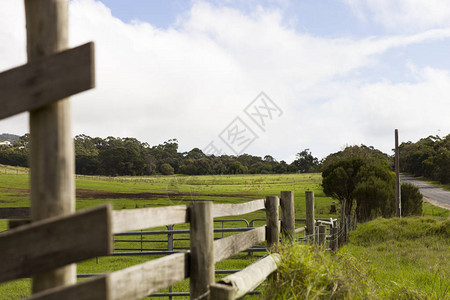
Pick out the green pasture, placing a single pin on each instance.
(139, 192)
(378, 264)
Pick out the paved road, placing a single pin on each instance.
(433, 193)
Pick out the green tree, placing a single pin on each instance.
(368, 183)
(429, 157)
(306, 162)
(339, 180)
(166, 169)
(375, 192)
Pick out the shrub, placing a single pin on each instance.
(166, 169)
(411, 200)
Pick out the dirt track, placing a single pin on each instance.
(93, 194)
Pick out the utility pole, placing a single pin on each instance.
(398, 200)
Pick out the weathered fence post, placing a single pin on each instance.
(288, 215)
(322, 235)
(272, 219)
(333, 233)
(201, 249)
(310, 221)
(52, 161)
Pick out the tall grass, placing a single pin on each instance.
(406, 258)
(307, 272)
(411, 256)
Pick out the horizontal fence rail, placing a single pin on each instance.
(229, 246)
(55, 242)
(134, 219)
(225, 210)
(242, 282)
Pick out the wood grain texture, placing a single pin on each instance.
(52, 161)
(201, 249)
(14, 212)
(46, 80)
(134, 219)
(220, 291)
(272, 204)
(287, 214)
(236, 243)
(96, 288)
(249, 278)
(44, 245)
(141, 280)
(135, 282)
(224, 210)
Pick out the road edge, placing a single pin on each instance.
(436, 203)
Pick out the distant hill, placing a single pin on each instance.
(9, 137)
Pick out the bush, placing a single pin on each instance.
(166, 169)
(411, 200)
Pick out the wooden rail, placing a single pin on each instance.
(226, 210)
(55, 242)
(135, 282)
(134, 219)
(236, 243)
(300, 229)
(46, 80)
(246, 280)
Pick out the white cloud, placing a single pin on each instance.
(368, 113)
(404, 15)
(191, 80)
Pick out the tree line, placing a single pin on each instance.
(113, 156)
(428, 157)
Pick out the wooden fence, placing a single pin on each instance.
(89, 233)
(47, 248)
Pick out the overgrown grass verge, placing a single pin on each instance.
(306, 272)
(410, 256)
(406, 258)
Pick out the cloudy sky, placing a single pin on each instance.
(333, 72)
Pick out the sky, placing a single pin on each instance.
(258, 77)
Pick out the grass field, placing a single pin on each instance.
(397, 259)
(138, 192)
